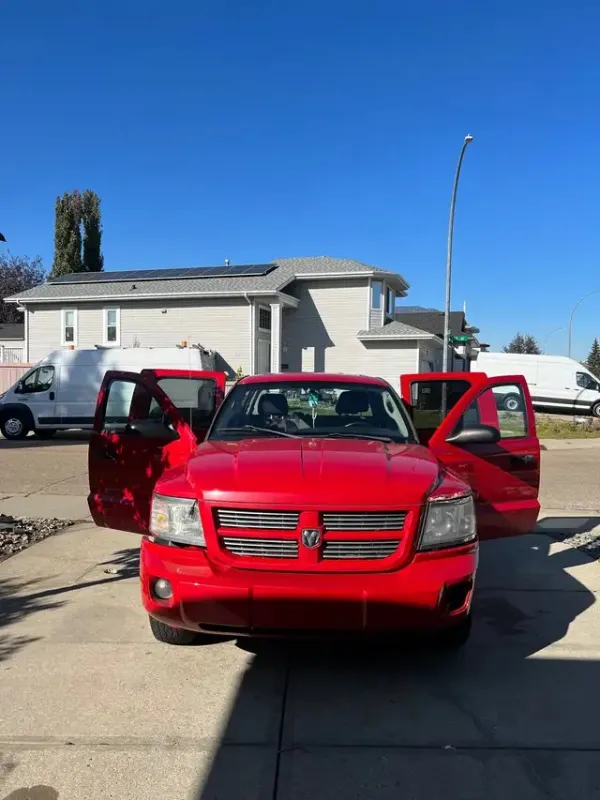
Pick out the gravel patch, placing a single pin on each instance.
(17, 534)
(588, 542)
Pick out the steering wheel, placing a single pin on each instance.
(358, 422)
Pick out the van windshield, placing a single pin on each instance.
(329, 409)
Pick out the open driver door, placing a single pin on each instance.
(145, 423)
(486, 434)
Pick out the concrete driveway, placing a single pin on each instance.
(92, 707)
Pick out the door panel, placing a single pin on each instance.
(504, 476)
(130, 448)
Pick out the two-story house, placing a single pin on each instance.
(295, 314)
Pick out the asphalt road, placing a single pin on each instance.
(570, 478)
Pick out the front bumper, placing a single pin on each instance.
(433, 590)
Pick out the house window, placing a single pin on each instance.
(112, 327)
(264, 319)
(390, 303)
(376, 294)
(69, 326)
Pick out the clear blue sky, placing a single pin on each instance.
(256, 129)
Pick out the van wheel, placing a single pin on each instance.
(596, 410)
(14, 426)
(512, 402)
(168, 635)
(45, 433)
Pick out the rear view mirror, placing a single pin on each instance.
(475, 434)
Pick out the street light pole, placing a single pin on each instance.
(555, 330)
(573, 310)
(467, 141)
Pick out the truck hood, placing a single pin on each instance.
(315, 472)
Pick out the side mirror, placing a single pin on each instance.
(151, 429)
(19, 388)
(475, 434)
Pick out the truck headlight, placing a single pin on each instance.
(176, 519)
(448, 523)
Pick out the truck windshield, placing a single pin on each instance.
(315, 408)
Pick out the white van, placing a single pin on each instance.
(556, 383)
(61, 391)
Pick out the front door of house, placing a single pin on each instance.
(263, 362)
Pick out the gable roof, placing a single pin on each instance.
(286, 270)
(431, 320)
(394, 330)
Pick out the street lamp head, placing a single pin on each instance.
(468, 138)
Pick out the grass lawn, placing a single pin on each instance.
(557, 428)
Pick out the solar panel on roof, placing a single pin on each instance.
(247, 270)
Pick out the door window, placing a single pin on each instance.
(194, 398)
(585, 381)
(502, 407)
(428, 400)
(40, 380)
(131, 409)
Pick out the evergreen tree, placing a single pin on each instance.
(593, 359)
(523, 343)
(93, 260)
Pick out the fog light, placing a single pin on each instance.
(163, 589)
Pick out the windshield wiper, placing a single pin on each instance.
(255, 429)
(342, 435)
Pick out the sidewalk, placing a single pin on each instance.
(46, 506)
(570, 444)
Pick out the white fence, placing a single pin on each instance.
(11, 355)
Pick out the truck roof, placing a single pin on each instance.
(304, 377)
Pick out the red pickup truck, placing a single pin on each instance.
(312, 503)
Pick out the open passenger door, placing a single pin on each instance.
(486, 435)
(145, 423)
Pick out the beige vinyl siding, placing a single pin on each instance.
(328, 318)
(218, 324)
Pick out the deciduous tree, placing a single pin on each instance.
(17, 273)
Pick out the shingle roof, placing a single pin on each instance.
(431, 320)
(288, 269)
(394, 330)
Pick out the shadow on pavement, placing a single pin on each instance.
(61, 439)
(19, 599)
(397, 718)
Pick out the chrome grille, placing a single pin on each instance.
(361, 549)
(364, 521)
(257, 520)
(261, 548)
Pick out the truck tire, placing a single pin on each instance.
(596, 410)
(512, 402)
(45, 433)
(168, 635)
(15, 425)
(456, 636)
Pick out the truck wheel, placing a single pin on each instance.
(596, 410)
(45, 433)
(168, 635)
(512, 402)
(456, 636)
(15, 426)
